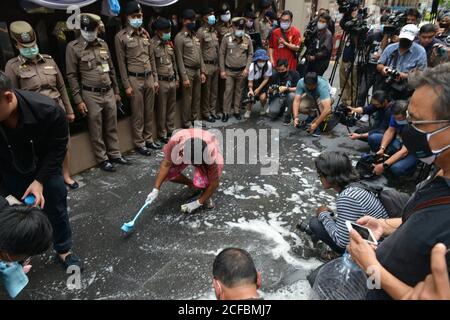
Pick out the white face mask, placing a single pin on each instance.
(285, 25)
(225, 17)
(89, 36)
(239, 33)
(321, 25)
(261, 64)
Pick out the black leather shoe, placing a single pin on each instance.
(237, 116)
(121, 160)
(153, 145)
(144, 151)
(225, 117)
(107, 166)
(211, 119)
(73, 186)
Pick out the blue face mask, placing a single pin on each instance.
(29, 53)
(165, 36)
(211, 20)
(401, 122)
(13, 277)
(135, 23)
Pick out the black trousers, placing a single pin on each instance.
(55, 194)
(321, 233)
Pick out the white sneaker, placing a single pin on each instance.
(247, 114)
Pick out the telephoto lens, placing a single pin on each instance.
(304, 227)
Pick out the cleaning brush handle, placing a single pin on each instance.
(141, 210)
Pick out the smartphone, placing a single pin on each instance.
(364, 232)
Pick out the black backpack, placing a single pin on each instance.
(392, 200)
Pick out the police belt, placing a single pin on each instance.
(193, 67)
(94, 89)
(236, 69)
(139, 74)
(166, 78)
(210, 61)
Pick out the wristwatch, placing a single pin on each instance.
(385, 165)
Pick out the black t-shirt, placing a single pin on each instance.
(406, 253)
(291, 76)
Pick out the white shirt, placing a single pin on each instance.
(255, 73)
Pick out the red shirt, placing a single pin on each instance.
(280, 50)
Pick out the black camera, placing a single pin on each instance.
(395, 23)
(304, 227)
(343, 113)
(356, 26)
(346, 6)
(310, 33)
(392, 75)
(365, 165)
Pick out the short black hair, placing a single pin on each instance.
(400, 107)
(25, 231)
(325, 16)
(5, 83)
(288, 13)
(192, 149)
(311, 78)
(336, 168)
(381, 96)
(282, 62)
(234, 267)
(428, 28)
(413, 12)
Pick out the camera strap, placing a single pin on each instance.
(393, 59)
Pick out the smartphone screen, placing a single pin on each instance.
(363, 232)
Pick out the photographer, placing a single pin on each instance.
(336, 172)
(444, 31)
(399, 59)
(381, 105)
(312, 97)
(412, 16)
(331, 23)
(259, 74)
(400, 162)
(285, 82)
(437, 51)
(320, 48)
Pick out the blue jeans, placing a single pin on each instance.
(403, 167)
(321, 233)
(55, 195)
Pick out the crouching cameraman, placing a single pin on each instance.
(400, 162)
(400, 59)
(282, 88)
(336, 172)
(313, 98)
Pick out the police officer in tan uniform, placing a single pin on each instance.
(168, 79)
(92, 78)
(209, 41)
(191, 68)
(37, 72)
(139, 78)
(236, 53)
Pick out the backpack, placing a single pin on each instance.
(392, 200)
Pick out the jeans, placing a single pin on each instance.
(55, 195)
(321, 233)
(277, 106)
(403, 167)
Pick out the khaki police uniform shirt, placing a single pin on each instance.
(89, 64)
(165, 59)
(41, 75)
(134, 54)
(188, 53)
(209, 42)
(224, 29)
(263, 26)
(235, 52)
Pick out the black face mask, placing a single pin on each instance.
(405, 43)
(191, 26)
(444, 25)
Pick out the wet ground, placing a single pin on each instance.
(170, 255)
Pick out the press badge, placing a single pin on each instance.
(105, 67)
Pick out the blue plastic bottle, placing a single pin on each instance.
(30, 200)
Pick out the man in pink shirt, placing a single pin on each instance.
(199, 148)
(285, 41)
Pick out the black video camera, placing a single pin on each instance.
(365, 165)
(343, 113)
(346, 6)
(356, 27)
(395, 23)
